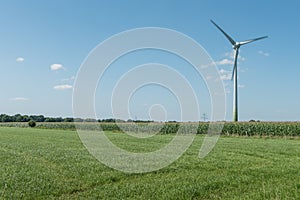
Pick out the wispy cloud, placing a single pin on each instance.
(20, 59)
(243, 69)
(229, 59)
(55, 67)
(64, 79)
(263, 53)
(68, 79)
(241, 86)
(225, 74)
(230, 55)
(208, 77)
(282, 111)
(225, 61)
(19, 99)
(63, 87)
(205, 66)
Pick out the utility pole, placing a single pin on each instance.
(204, 117)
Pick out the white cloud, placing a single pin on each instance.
(282, 111)
(68, 79)
(208, 77)
(204, 66)
(19, 99)
(55, 67)
(241, 86)
(225, 74)
(243, 69)
(64, 79)
(225, 61)
(62, 87)
(228, 60)
(263, 53)
(231, 55)
(20, 59)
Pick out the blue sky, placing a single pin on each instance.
(43, 43)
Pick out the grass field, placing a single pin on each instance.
(46, 163)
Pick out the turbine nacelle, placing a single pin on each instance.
(236, 46)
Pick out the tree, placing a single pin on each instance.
(90, 120)
(50, 119)
(109, 120)
(69, 119)
(18, 118)
(78, 120)
(32, 123)
(37, 118)
(6, 118)
(25, 118)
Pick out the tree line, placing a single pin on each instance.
(42, 118)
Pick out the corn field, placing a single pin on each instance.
(230, 128)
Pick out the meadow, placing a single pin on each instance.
(43, 163)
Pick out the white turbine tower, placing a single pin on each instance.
(235, 46)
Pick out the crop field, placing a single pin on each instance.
(291, 129)
(43, 163)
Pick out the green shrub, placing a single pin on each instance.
(32, 123)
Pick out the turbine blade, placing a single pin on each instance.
(226, 35)
(252, 40)
(236, 54)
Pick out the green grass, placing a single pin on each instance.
(53, 164)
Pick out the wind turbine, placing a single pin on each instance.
(236, 46)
